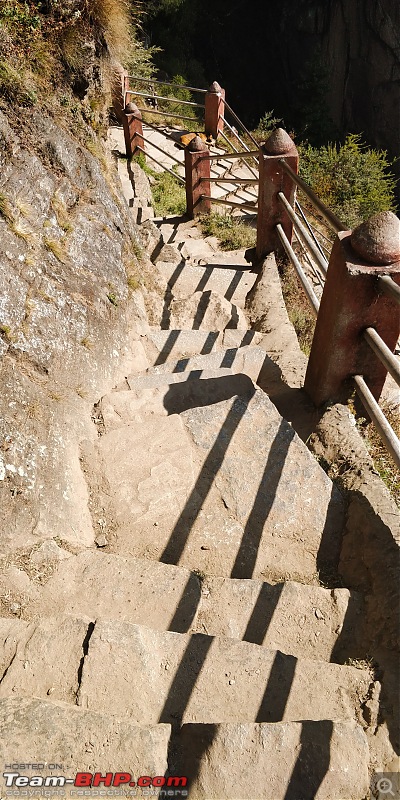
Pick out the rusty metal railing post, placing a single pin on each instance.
(133, 129)
(352, 302)
(196, 167)
(214, 110)
(273, 180)
(120, 85)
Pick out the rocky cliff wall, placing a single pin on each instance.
(70, 318)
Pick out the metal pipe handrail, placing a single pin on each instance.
(229, 155)
(157, 147)
(240, 140)
(314, 302)
(330, 217)
(229, 203)
(164, 133)
(320, 233)
(227, 141)
(388, 286)
(382, 425)
(167, 99)
(310, 229)
(306, 255)
(167, 83)
(174, 175)
(236, 151)
(166, 114)
(231, 180)
(240, 123)
(383, 352)
(304, 233)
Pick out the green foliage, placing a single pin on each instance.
(169, 196)
(15, 86)
(351, 179)
(232, 232)
(22, 16)
(266, 125)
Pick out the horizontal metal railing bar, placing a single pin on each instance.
(166, 114)
(310, 229)
(389, 287)
(174, 175)
(229, 203)
(305, 253)
(227, 140)
(157, 147)
(304, 234)
(159, 129)
(316, 230)
(314, 302)
(231, 180)
(240, 123)
(167, 83)
(382, 425)
(240, 140)
(230, 155)
(167, 99)
(383, 352)
(330, 217)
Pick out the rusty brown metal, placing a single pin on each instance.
(273, 180)
(197, 167)
(214, 110)
(350, 304)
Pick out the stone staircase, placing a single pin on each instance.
(197, 640)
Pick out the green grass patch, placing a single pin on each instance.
(297, 305)
(233, 234)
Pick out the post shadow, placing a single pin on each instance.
(212, 464)
(166, 351)
(168, 297)
(185, 679)
(277, 690)
(263, 611)
(313, 760)
(247, 554)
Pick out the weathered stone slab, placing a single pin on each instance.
(82, 741)
(141, 674)
(168, 393)
(231, 283)
(96, 584)
(238, 358)
(146, 472)
(291, 513)
(285, 761)
(305, 621)
(206, 311)
(165, 345)
(47, 659)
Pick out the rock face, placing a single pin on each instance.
(67, 320)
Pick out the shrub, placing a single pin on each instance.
(351, 179)
(169, 196)
(231, 231)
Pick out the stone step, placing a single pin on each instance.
(205, 310)
(231, 283)
(80, 740)
(215, 489)
(304, 621)
(247, 360)
(324, 760)
(162, 346)
(152, 676)
(168, 393)
(149, 676)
